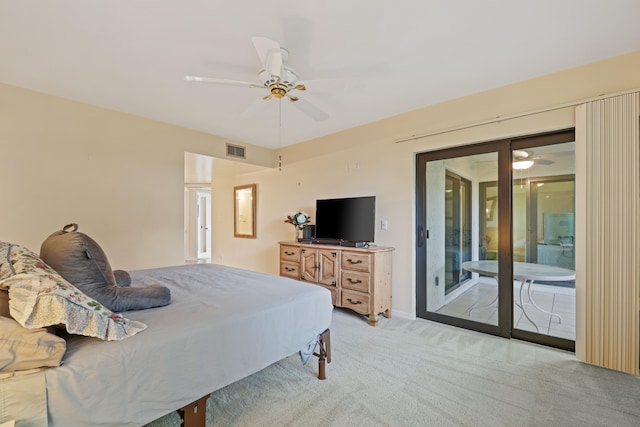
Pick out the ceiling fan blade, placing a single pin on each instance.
(264, 47)
(274, 65)
(311, 110)
(543, 161)
(214, 80)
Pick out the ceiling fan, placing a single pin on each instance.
(275, 76)
(523, 159)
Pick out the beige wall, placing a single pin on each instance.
(121, 177)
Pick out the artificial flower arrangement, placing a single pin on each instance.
(298, 219)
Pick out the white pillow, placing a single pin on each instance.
(22, 349)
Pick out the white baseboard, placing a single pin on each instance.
(403, 314)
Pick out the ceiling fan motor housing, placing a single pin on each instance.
(278, 90)
(287, 79)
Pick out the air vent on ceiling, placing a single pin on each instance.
(235, 151)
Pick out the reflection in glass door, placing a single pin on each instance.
(543, 240)
(495, 238)
(455, 235)
(457, 195)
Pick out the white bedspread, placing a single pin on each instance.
(222, 325)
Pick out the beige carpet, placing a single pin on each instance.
(420, 373)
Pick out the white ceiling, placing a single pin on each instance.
(382, 57)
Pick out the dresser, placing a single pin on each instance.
(358, 278)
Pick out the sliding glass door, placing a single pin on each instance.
(452, 185)
(543, 241)
(495, 237)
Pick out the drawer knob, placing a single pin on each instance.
(289, 268)
(355, 282)
(354, 302)
(288, 253)
(359, 261)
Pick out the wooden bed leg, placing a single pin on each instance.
(195, 413)
(325, 354)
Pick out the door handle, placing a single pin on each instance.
(421, 236)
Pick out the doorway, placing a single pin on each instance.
(197, 224)
(495, 237)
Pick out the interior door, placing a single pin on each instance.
(203, 212)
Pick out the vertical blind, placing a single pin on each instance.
(608, 214)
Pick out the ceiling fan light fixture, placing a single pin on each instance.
(278, 90)
(522, 164)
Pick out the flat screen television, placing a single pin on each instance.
(346, 220)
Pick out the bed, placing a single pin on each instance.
(223, 324)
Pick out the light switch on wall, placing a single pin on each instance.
(384, 224)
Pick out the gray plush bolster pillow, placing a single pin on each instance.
(81, 262)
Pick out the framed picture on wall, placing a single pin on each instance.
(244, 211)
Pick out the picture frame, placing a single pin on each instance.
(244, 211)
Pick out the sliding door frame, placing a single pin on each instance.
(505, 309)
(504, 149)
(524, 143)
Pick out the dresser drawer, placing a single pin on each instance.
(359, 279)
(356, 281)
(290, 270)
(334, 294)
(290, 253)
(355, 301)
(356, 261)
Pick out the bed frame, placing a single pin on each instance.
(223, 324)
(194, 414)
